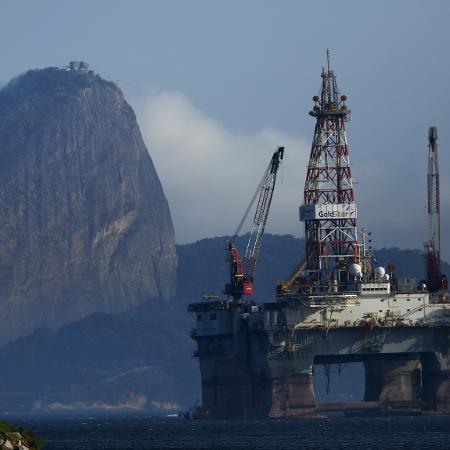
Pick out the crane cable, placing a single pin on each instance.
(252, 202)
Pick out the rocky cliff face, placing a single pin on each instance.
(84, 223)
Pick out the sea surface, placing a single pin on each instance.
(141, 432)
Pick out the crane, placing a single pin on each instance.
(242, 270)
(435, 279)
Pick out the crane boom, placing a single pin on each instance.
(242, 271)
(261, 214)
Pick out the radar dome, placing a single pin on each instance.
(386, 277)
(355, 270)
(379, 272)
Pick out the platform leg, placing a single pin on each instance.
(390, 380)
(436, 381)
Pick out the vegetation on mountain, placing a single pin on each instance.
(18, 437)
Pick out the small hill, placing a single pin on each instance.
(139, 359)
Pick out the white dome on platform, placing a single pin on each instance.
(379, 272)
(355, 270)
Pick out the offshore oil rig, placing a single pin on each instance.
(336, 306)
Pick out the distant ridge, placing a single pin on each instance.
(202, 267)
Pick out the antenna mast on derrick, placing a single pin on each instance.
(435, 279)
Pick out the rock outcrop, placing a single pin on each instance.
(84, 223)
(17, 438)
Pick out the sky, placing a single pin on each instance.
(216, 86)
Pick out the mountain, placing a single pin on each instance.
(141, 359)
(84, 225)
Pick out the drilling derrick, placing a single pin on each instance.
(329, 209)
(435, 279)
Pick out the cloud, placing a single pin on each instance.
(210, 172)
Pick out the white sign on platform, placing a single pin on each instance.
(328, 211)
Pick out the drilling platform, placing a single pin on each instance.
(336, 306)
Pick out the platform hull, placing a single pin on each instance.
(266, 371)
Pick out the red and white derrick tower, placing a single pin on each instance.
(435, 279)
(329, 208)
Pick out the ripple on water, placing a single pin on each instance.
(141, 433)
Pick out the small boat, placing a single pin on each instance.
(196, 413)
